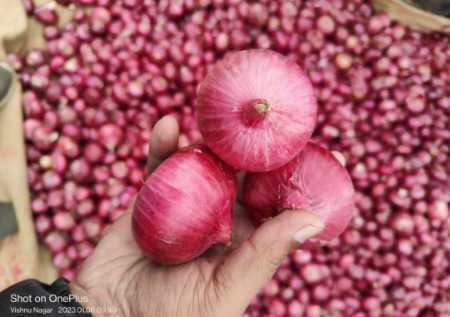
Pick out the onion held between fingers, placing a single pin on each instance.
(184, 207)
(315, 180)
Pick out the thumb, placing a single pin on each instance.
(248, 268)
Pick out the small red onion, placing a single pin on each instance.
(271, 288)
(326, 24)
(42, 224)
(68, 147)
(72, 252)
(119, 169)
(78, 234)
(85, 208)
(277, 307)
(38, 205)
(55, 198)
(61, 261)
(68, 274)
(29, 6)
(51, 180)
(295, 308)
(84, 248)
(63, 221)
(110, 135)
(92, 227)
(46, 14)
(55, 241)
(93, 152)
(80, 169)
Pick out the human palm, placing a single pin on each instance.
(120, 281)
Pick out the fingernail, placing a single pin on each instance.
(307, 232)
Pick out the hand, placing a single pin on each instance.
(220, 283)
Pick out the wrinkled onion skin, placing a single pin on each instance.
(237, 81)
(313, 181)
(184, 207)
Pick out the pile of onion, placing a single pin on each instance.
(92, 95)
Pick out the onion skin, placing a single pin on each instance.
(184, 207)
(314, 181)
(256, 110)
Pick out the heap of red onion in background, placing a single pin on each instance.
(383, 90)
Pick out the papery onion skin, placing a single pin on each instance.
(185, 206)
(256, 109)
(314, 181)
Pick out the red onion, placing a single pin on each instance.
(46, 14)
(38, 205)
(295, 308)
(163, 222)
(85, 208)
(80, 169)
(78, 234)
(93, 152)
(43, 224)
(110, 135)
(92, 227)
(35, 58)
(68, 147)
(314, 180)
(277, 307)
(326, 24)
(68, 274)
(55, 241)
(256, 110)
(51, 179)
(119, 169)
(61, 261)
(63, 221)
(29, 6)
(84, 249)
(272, 288)
(100, 18)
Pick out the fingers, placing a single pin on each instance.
(123, 226)
(246, 270)
(183, 141)
(164, 141)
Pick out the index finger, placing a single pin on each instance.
(164, 141)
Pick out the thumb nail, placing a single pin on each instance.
(308, 232)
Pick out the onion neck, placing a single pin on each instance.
(255, 111)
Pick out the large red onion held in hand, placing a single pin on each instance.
(184, 207)
(314, 181)
(256, 109)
